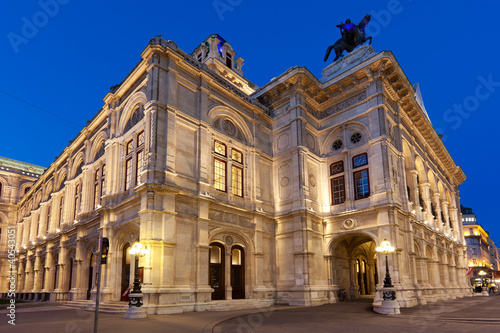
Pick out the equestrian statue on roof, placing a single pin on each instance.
(352, 36)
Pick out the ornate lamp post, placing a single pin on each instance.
(135, 297)
(386, 248)
(389, 304)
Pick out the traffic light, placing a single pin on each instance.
(104, 250)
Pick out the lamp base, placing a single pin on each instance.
(389, 305)
(134, 312)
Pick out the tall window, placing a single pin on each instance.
(76, 208)
(361, 179)
(61, 202)
(139, 163)
(128, 166)
(99, 185)
(338, 182)
(220, 166)
(224, 162)
(361, 184)
(134, 160)
(237, 172)
(103, 180)
(1, 190)
(37, 226)
(49, 208)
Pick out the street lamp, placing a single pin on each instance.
(138, 250)
(386, 248)
(389, 305)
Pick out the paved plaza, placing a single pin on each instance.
(461, 315)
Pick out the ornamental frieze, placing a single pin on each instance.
(343, 105)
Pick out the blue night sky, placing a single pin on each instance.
(66, 65)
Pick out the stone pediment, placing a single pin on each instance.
(347, 62)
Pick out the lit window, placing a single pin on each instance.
(220, 148)
(222, 164)
(237, 180)
(215, 255)
(237, 156)
(236, 257)
(220, 174)
(361, 184)
(129, 147)
(96, 189)
(128, 173)
(338, 190)
(139, 166)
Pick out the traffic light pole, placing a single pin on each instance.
(96, 317)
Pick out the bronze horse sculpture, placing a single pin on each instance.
(352, 36)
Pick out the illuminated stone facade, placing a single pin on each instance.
(277, 194)
(16, 179)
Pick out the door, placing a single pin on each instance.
(216, 269)
(125, 270)
(91, 275)
(238, 272)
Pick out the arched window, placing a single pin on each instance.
(78, 169)
(100, 152)
(137, 116)
(1, 189)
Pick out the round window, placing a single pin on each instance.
(337, 144)
(356, 137)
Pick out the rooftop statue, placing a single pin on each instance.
(352, 36)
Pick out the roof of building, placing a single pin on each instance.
(24, 168)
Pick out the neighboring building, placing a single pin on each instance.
(273, 194)
(482, 253)
(16, 178)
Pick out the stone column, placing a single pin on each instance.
(227, 273)
(371, 276)
(424, 189)
(37, 273)
(47, 265)
(437, 204)
(28, 280)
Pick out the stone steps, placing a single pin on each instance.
(239, 304)
(104, 307)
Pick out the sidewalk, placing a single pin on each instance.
(461, 315)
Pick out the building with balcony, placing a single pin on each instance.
(273, 194)
(482, 253)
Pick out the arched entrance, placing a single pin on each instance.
(125, 269)
(216, 271)
(238, 272)
(354, 265)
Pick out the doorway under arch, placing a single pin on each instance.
(125, 269)
(238, 272)
(216, 268)
(354, 265)
(91, 274)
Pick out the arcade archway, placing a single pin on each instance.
(354, 265)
